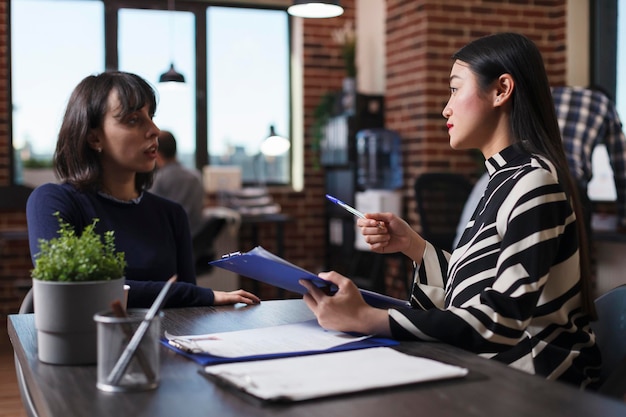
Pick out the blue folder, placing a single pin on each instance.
(208, 359)
(264, 266)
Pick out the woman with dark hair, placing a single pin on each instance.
(105, 157)
(516, 288)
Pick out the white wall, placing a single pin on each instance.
(577, 65)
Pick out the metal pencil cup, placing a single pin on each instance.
(114, 333)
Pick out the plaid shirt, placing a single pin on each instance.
(588, 118)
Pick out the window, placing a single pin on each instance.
(150, 55)
(248, 73)
(41, 74)
(236, 88)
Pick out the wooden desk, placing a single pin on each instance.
(491, 389)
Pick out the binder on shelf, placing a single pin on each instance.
(264, 266)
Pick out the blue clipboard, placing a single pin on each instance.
(206, 359)
(264, 266)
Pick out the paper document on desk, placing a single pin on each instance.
(306, 377)
(298, 337)
(264, 266)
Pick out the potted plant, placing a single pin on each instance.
(75, 276)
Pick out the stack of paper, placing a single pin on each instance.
(330, 373)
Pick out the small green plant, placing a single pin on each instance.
(87, 257)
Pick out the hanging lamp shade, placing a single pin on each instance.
(172, 76)
(315, 9)
(275, 145)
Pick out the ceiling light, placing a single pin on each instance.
(172, 75)
(275, 145)
(315, 9)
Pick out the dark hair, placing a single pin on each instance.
(167, 144)
(534, 125)
(74, 160)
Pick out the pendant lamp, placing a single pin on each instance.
(171, 75)
(315, 9)
(274, 145)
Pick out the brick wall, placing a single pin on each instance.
(421, 36)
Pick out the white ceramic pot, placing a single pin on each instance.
(66, 330)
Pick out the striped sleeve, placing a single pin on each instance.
(496, 285)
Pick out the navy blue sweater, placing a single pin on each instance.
(152, 232)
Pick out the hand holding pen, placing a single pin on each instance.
(350, 209)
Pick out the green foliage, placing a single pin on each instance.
(87, 257)
(37, 163)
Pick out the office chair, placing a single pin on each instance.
(26, 307)
(610, 330)
(202, 243)
(440, 198)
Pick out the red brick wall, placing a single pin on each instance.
(421, 36)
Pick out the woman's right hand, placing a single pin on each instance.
(388, 233)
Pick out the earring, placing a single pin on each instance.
(99, 150)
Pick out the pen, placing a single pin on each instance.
(124, 360)
(345, 206)
(119, 311)
(348, 208)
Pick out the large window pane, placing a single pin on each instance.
(54, 45)
(148, 41)
(248, 79)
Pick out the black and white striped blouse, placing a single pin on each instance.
(510, 291)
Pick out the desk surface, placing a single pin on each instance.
(491, 389)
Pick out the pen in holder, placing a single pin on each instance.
(114, 335)
(147, 335)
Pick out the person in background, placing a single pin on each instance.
(105, 157)
(177, 182)
(587, 118)
(516, 288)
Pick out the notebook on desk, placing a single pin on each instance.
(264, 266)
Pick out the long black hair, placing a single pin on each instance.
(74, 160)
(533, 120)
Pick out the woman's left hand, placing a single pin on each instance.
(233, 297)
(346, 310)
